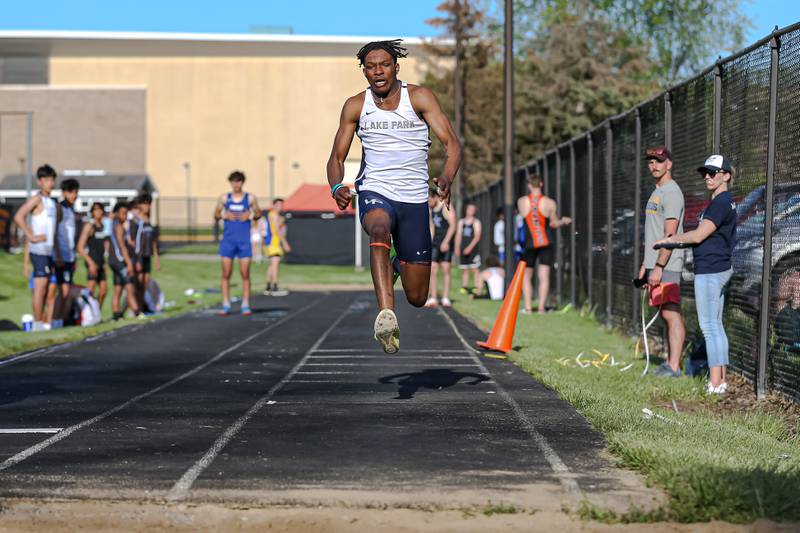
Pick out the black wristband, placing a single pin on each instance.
(662, 266)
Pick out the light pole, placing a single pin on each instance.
(271, 159)
(508, 137)
(187, 169)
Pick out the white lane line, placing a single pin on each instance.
(379, 351)
(182, 487)
(11, 431)
(66, 432)
(556, 463)
(326, 373)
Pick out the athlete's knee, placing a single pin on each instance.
(380, 233)
(417, 299)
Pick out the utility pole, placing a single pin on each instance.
(508, 137)
(271, 177)
(187, 168)
(458, 96)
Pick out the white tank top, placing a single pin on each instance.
(395, 158)
(66, 234)
(44, 223)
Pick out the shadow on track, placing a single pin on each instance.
(431, 378)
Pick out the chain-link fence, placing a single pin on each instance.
(746, 107)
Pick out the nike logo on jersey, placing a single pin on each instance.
(369, 112)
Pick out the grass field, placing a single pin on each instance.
(175, 277)
(732, 466)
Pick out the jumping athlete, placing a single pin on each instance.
(468, 236)
(93, 246)
(443, 228)
(236, 208)
(277, 245)
(536, 209)
(40, 235)
(392, 119)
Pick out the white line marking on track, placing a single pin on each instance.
(556, 464)
(9, 431)
(326, 373)
(66, 432)
(182, 487)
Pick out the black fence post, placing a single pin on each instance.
(637, 217)
(572, 233)
(590, 214)
(609, 223)
(668, 119)
(766, 267)
(546, 175)
(559, 251)
(717, 128)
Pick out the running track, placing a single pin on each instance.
(296, 403)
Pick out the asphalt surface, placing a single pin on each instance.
(296, 398)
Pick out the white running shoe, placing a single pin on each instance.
(387, 331)
(446, 302)
(431, 302)
(722, 388)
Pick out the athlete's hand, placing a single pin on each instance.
(642, 270)
(444, 247)
(654, 279)
(443, 189)
(129, 266)
(93, 269)
(38, 238)
(343, 197)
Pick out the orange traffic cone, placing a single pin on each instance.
(503, 330)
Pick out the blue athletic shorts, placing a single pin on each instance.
(42, 265)
(411, 233)
(233, 249)
(64, 272)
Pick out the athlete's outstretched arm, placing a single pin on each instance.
(348, 121)
(425, 103)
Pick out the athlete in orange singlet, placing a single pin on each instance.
(536, 209)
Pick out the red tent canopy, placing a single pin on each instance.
(312, 198)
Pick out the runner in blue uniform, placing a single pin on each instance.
(236, 209)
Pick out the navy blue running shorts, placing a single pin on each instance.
(411, 233)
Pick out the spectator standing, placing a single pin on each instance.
(145, 244)
(536, 210)
(714, 240)
(120, 259)
(40, 236)
(443, 229)
(468, 236)
(93, 246)
(662, 268)
(499, 236)
(277, 246)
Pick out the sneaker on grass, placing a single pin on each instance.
(665, 371)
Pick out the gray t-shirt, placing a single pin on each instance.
(665, 202)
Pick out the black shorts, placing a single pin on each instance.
(121, 274)
(438, 256)
(42, 265)
(469, 261)
(544, 255)
(101, 272)
(146, 264)
(64, 273)
(411, 234)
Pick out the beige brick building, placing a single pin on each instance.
(149, 103)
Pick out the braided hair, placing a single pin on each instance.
(392, 47)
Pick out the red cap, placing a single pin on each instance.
(659, 153)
